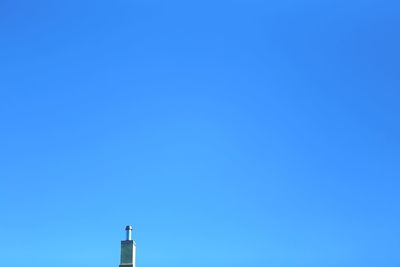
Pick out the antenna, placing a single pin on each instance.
(128, 230)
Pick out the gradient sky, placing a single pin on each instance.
(228, 133)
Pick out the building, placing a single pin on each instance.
(128, 250)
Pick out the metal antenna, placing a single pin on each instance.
(128, 230)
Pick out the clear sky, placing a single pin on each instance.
(228, 133)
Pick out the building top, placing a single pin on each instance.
(128, 249)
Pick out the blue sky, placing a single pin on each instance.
(229, 133)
